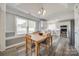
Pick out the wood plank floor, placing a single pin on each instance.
(60, 48)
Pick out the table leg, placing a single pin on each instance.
(37, 48)
(51, 41)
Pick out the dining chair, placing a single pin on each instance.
(47, 43)
(37, 32)
(30, 46)
(51, 38)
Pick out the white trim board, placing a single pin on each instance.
(15, 45)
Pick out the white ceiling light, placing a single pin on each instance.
(42, 11)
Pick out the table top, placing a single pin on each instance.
(37, 37)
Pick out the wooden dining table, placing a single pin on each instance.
(37, 40)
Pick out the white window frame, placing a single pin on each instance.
(51, 25)
(16, 24)
(27, 28)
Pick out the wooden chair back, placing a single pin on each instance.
(49, 39)
(28, 44)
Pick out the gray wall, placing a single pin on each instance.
(72, 38)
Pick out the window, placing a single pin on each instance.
(42, 24)
(51, 26)
(21, 25)
(32, 26)
(24, 25)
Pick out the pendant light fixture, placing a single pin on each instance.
(42, 11)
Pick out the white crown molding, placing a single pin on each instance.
(20, 12)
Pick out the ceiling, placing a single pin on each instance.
(52, 9)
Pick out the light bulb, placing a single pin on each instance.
(39, 12)
(44, 12)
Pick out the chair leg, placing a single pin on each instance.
(31, 52)
(47, 50)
